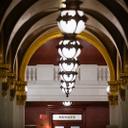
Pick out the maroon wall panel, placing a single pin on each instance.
(95, 114)
(47, 54)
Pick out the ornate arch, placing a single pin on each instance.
(54, 33)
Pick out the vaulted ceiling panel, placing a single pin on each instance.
(24, 21)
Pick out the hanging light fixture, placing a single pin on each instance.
(68, 76)
(69, 48)
(72, 19)
(65, 84)
(67, 87)
(67, 103)
(66, 91)
(68, 64)
(71, 22)
(67, 79)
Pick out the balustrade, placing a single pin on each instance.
(50, 72)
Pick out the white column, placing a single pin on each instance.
(11, 115)
(124, 111)
(18, 115)
(5, 112)
(119, 114)
(114, 116)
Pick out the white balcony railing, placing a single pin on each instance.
(43, 83)
(50, 72)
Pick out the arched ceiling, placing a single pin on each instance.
(23, 21)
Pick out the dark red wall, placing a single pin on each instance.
(47, 54)
(95, 114)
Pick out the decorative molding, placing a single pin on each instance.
(4, 69)
(20, 92)
(124, 78)
(54, 33)
(123, 85)
(114, 91)
(113, 99)
(12, 84)
(114, 86)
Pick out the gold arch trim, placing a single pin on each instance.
(55, 33)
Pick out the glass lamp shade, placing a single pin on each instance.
(67, 103)
(69, 49)
(66, 91)
(68, 64)
(69, 84)
(71, 21)
(68, 76)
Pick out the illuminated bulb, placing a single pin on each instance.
(68, 23)
(26, 89)
(67, 103)
(69, 49)
(108, 89)
(68, 65)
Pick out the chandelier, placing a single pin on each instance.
(71, 21)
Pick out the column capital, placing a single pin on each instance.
(20, 92)
(113, 99)
(114, 86)
(12, 84)
(114, 82)
(124, 78)
(4, 70)
(123, 85)
(114, 91)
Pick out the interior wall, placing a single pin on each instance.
(89, 54)
(39, 114)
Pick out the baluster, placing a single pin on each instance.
(35, 73)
